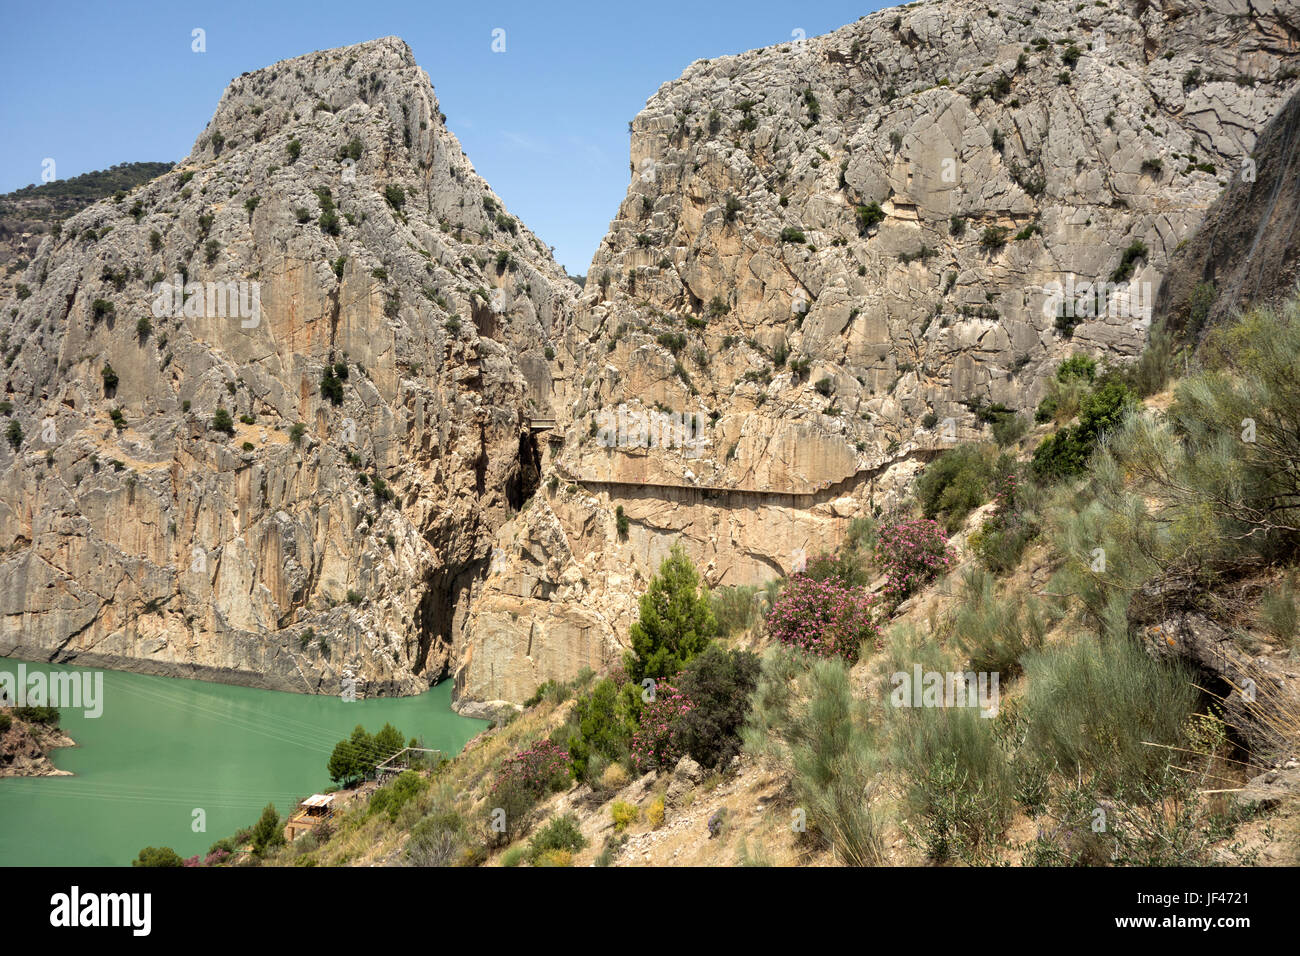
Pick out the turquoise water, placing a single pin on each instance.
(165, 747)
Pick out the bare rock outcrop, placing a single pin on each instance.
(25, 748)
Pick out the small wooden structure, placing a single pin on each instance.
(310, 814)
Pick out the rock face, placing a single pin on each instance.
(831, 253)
(1248, 248)
(1259, 694)
(370, 374)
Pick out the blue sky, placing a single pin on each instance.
(545, 122)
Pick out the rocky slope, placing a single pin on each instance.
(377, 368)
(834, 252)
(30, 214)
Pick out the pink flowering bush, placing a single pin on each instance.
(542, 767)
(658, 743)
(823, 618)
(911, 553)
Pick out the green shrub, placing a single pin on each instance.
(958, 783)
(736, 609)
(354, 758)
(869, 215)
(956, 483)
(1278, 613)
(35, 714)
(331, 386)
(222, 422)
(1137, 249)
(158, 856)
(392, 797)
(807, 717)
(1067, 452)
(1103, 709)
(673, 341)
(1009, 429)
(1001, 540)
(561, 833)
(993, 238)
(996, 632)
(1080, 366)
(719, 684)
(845, 567)
(267, 831)
(601, 724)
(514, 856)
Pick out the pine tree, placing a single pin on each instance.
(676, 621)
(388, 741)
(267, 832)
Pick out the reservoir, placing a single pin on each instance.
(166, 747)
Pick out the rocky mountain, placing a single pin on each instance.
(267, 410)
(845, 253)
(411, 446)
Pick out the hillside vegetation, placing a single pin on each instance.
(1106, 740)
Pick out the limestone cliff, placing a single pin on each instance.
(833, 253)
(293, 478)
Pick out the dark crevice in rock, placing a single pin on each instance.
(522, 481)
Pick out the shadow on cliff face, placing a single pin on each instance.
(436, 617)
(1248, 248)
